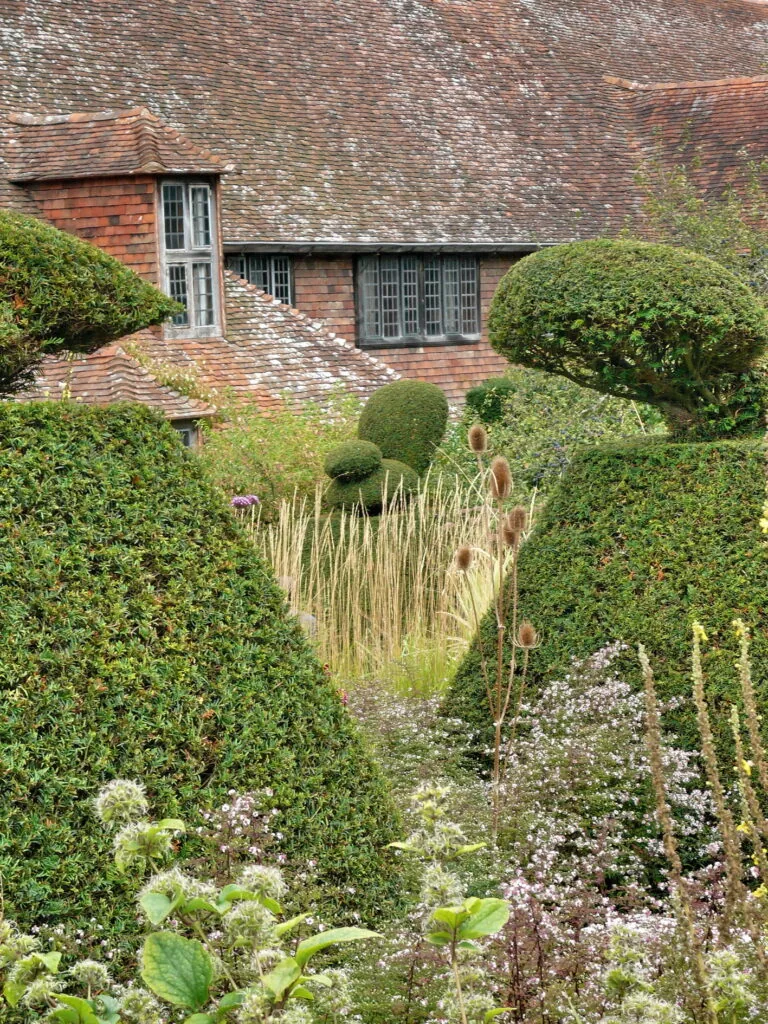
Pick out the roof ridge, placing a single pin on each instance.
(625, 83)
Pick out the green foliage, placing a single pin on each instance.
(353, 460)
(642, 321)
(486, 401)
(393, 480)
(546, 419)
(639, 540)
(142, 637)
(277, 454)
(407, 420)
(59, 292)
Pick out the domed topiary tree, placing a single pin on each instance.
(407, 420)
(640, 321)
(59, 292)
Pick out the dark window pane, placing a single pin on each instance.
(173, 216)
(469, 292)
(390, 297)
(258, 272)
(369, 297)
(203, 285)
(237, 265)
(201, 216)
(281, 273)
(451, 301)
(410, 294)
(177, 289)
(433, 320)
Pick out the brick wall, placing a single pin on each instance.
(117, 214)
(324, 288)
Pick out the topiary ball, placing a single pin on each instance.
(392, 481)
(353, 460)
(407, 420)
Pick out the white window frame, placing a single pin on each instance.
(188, 256)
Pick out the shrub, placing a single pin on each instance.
(59, 292)
(353, 460)
(142, 637)
(638, 539)
(487, 400)
(277, 454)
(407, 420)
(390, 481)
(640, 321)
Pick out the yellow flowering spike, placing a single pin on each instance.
(698, 631)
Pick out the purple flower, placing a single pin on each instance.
(244, 500)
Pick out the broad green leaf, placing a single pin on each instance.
(320, 979)
(287, 926)
(156, 906)
(177, 969)
(13, 991)
(81, 1007)
(200, 1018)
(174, 824)
(269, 903)
(322, 940)
(198, 903)
(279, 980)
(488, 917)
(64, 1015)
(449, 916)
(439, 938)
(470, 848)
(51, 961)
(231, 1000)
(490, 1014)
(471, 946)
(300, 992)
(401, 846)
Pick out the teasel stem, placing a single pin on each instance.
(757, 749)
(664, 814)
(735, 891)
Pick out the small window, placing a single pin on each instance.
(418, 298)
(189, 255)
(270, 273)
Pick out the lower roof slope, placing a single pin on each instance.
(403, 120)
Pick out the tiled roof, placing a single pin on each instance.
(109, 375)
(401, 120)
(272, 351)
(714, 128)
(107, 144)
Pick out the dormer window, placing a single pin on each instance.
(189, 247)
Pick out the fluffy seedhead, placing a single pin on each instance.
(478, 439)
(501, 478)
(464, 558)
(527, 637)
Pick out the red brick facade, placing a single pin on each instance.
(324, 289)
(117, 214)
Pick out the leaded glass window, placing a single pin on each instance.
(270, 273)
(402, 298)
(189, 254)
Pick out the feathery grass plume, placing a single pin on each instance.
(735, 891)
(750, 706)
(464, 558)
(683, 908)
(478, 439)
(501, 479)
(527, 637)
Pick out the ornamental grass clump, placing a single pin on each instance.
(641, 321)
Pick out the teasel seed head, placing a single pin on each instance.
(501, 478)
(478, 439)
(527, 637)
(517, 519)
(510, 535)
(464, 558)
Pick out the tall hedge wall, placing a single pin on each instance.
(141, 637)
(638, 540)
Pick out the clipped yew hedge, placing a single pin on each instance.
(60, 292)
(141, 637)
(639, 540)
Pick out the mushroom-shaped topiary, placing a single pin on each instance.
(407, 420)
(641, 321)
(353, 460)
(393, 481)
(59, 292)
